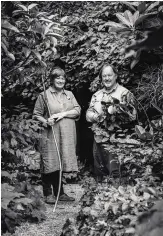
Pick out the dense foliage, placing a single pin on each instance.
(96, 42)
(21, 199)
(112, 207)
(30, 37)
(99, 32)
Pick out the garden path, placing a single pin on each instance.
(54, 222)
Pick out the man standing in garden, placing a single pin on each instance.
(111, 108)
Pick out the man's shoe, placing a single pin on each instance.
(66, 198)
(50, 199)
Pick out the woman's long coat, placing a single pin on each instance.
(65, 131)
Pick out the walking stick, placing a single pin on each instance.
(56, 144)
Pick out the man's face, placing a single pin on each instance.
(108, 77)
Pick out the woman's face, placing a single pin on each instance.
(59, 82)
(108, 77)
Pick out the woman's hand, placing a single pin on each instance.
(50, 121)
(58, 116)
(55, 117)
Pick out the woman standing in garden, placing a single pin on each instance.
(111, 109)
(64, 111)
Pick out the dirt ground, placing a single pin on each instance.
(52, 226)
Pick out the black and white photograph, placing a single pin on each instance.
(82, 118)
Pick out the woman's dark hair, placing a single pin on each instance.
(57, 71)
(103, 67)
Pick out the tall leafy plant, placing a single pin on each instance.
(29, 41)
(27, 45)
(131, 25)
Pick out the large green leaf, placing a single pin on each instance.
(53, 24)
(123, 30)
(32, 6)
(8, 195)
(7, 25)
(4, 47)
(50, 28)
(128, 15)
(5, 41)
(23, 7)
(114, 24)
(130, 5)
(135, 16)
(11, 56)
(58, 36)
(45, 20)
(123, 20)
(17, 12)
(63, 19)
(56, 28)
(153, 5)
(52, 16)
(42, 14)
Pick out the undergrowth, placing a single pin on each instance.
(113, 206)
